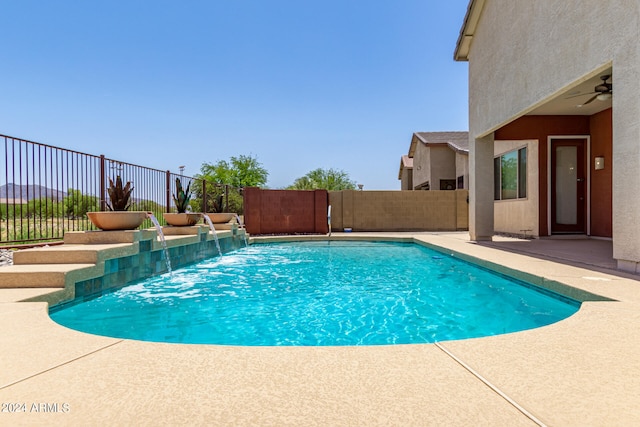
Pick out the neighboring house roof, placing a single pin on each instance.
(474, 10)
(457, 141)
(406, 162)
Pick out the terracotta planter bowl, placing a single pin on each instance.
(117, 220)
(181, 219)
(220, 218)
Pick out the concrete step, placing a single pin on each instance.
(37, 275)
(72, 254)
(64, 254)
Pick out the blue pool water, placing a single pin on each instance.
(319, 293)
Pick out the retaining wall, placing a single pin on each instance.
(295, 211)
(399, 210)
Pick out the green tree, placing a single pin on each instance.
(331, 180)
(238, 172)
(41, 208)
(147, 205)
(77, 204)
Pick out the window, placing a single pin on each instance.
(447, 184)
(510, 175)
(461, 182)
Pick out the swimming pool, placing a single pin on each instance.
(320, 293)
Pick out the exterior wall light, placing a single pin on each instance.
(599, 163)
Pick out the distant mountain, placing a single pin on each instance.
(29, 192)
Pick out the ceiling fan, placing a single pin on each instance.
(602, 92)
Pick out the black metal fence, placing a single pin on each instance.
(46, 191)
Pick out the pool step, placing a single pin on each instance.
(55, 255)
(40, 275)
(72, 254)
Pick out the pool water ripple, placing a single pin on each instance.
(316, 293)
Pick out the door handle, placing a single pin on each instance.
(580, 179)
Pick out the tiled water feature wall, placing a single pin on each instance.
(147, 258)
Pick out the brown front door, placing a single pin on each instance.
(568, 186)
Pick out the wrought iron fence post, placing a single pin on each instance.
(103, 185)
(168, 186)
(204, 195)
(226, 197)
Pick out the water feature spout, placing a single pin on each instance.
(155, 222)
(213, 230)
(329, 219)
(241, 226)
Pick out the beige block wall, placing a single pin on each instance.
(462, 209)
(399, 210)
(336, 201)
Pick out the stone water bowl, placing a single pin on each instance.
(182, 219)
(117, 220)
(221, 217)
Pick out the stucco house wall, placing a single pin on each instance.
(406, 182)
(462, 169)
(438, 156)
(422, 166)
(443, 165)
(521, 55)
(405, 174)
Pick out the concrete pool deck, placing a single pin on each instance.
(584, 370)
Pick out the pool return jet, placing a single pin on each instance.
(213, 231)
(241, 227)
(155, 222)
(163, 241)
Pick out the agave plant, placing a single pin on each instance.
(119, 196)
(218, 203)
(182, 198)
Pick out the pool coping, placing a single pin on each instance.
(583, 370)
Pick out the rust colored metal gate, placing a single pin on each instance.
(285, 211)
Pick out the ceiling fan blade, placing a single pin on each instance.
(580, 94)
(591, 99)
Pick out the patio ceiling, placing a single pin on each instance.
(563, 105)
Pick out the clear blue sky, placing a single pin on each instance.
(298, 84)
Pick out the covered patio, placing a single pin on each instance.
(570, 250)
